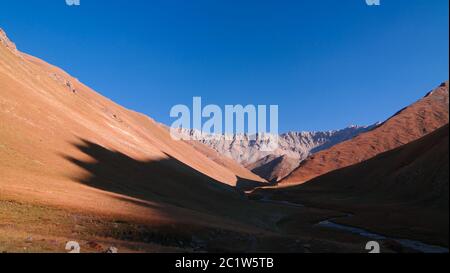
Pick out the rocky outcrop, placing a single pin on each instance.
(7, 42)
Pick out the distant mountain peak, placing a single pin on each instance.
(442, 89)
(293, 147)
(330, 132)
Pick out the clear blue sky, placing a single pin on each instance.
(326, 63)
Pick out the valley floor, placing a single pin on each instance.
(27, 227)
(392, 219)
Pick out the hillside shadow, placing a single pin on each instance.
(202, 211)
(266, 170)
(244, 184)
(167, 181)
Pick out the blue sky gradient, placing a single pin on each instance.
(326, 63)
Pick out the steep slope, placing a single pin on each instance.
(76, 166)
(274, 168)
(62, 144)
(411, 123)
(416, 172)
(405, 189)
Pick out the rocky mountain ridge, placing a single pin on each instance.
(245, 149)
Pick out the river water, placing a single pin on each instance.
(411, 244)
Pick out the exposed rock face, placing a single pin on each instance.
(6, 42)
(293, 147)
(274, 168)
(246, 149)
(409, 124)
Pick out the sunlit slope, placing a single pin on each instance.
(409, 124)
(63, 144)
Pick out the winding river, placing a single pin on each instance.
(411, 244)
(329, 223)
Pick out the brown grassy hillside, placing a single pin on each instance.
(402, 192)
(411, 123)
(65, 147)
